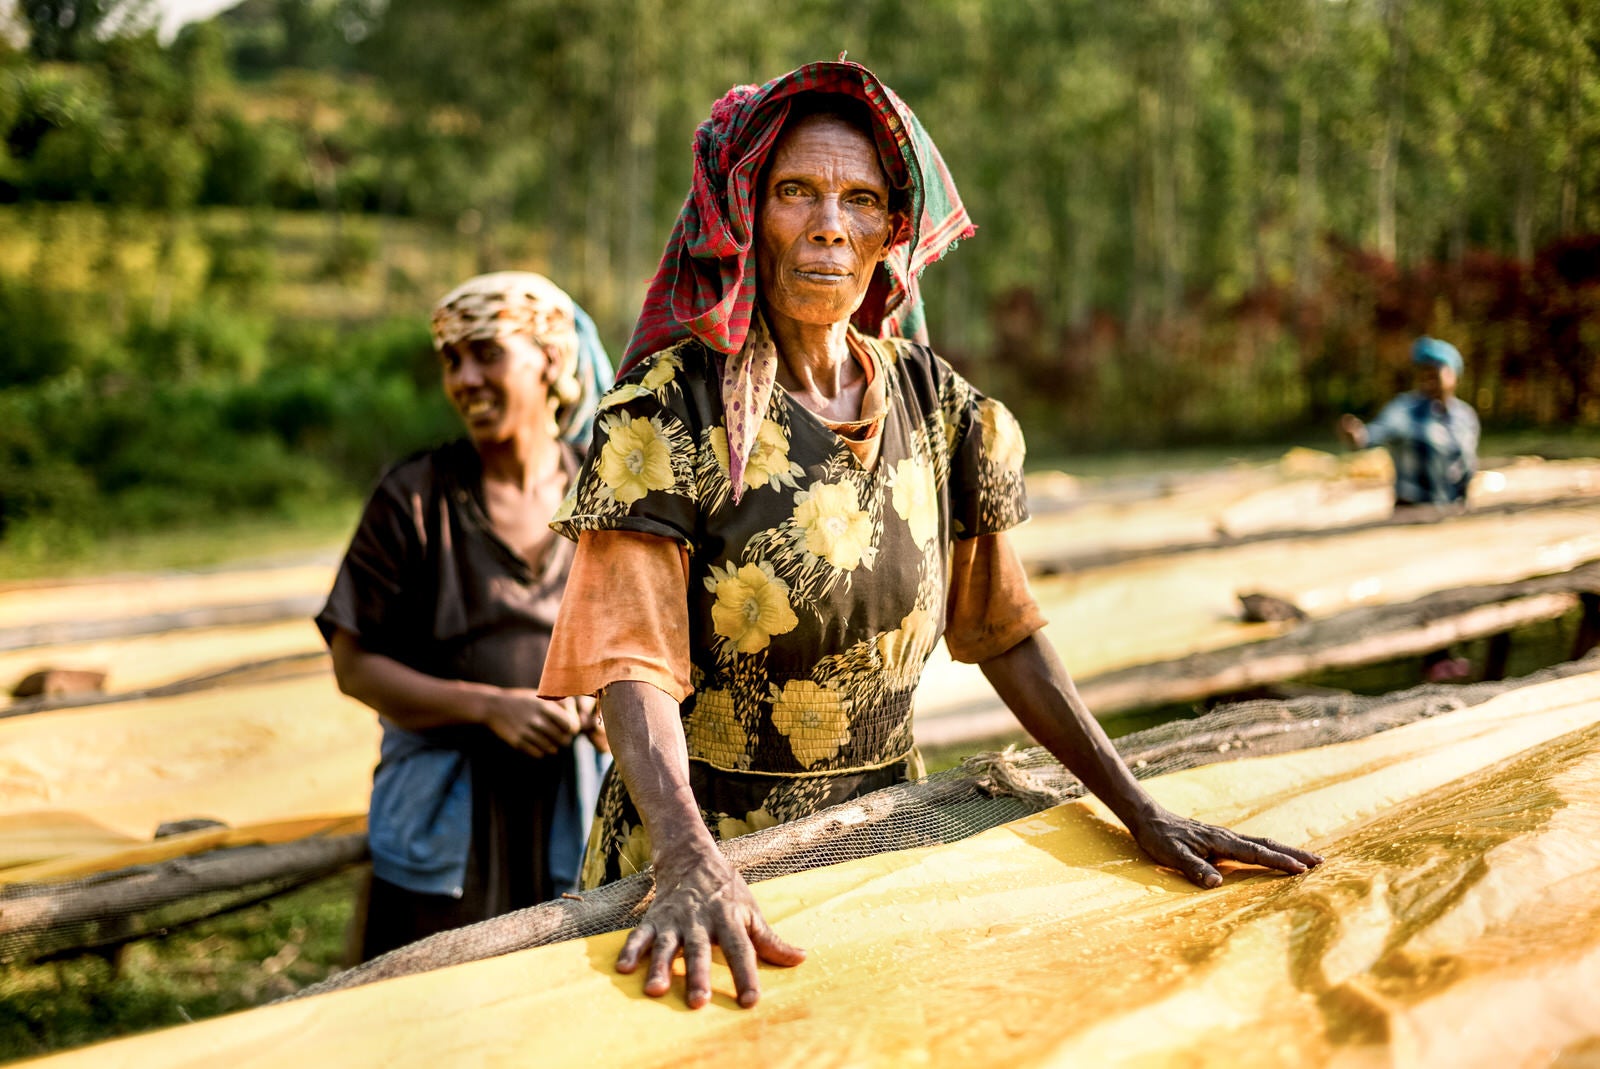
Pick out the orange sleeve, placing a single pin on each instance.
(625, 615)
(991, 608)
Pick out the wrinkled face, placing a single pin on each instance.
(498, 385)
(823, 222)
(1434, 381)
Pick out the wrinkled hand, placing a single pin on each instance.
(527, 722)
(708, 903)
(1190, 846)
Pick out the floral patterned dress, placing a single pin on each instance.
(817, 598)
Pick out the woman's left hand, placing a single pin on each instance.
(1190, 846)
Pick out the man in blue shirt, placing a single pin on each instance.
(1433, 436)
(1431, 433)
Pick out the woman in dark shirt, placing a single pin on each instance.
(441, 615)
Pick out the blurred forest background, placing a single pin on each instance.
(1201, 221)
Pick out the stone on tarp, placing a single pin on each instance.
(52, 682)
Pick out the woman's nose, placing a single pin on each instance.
(467, 374)
(827, 223)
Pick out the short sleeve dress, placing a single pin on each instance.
(816, 599)
(462, 826)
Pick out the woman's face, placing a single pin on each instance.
(499, 386)
(823, 222)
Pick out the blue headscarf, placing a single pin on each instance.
(594, 376)
(1426, 350)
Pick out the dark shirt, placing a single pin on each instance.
(427, 582)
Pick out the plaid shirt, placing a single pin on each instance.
(1434, 445)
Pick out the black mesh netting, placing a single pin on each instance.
(985, 791)
(42, 920)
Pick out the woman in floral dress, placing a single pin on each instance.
(786, 505)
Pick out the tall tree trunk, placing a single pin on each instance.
(1568, 219)
(1522, 206)
(638, 123)
(1393, 125)
(1307, 202)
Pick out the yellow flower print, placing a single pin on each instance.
(1003, 443)
(915, 500)
(666, 368)
(565, 509)
(814, 719)
(836, 529)
(752, 606)
(755, 820)
(906, 650)
(635, 459)
(621, 395)
(713, 731)
(769, 463)
(594, 859)
(635, 856)
(660, 375)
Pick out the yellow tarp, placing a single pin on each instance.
(84, 784)
(147, 661)
(1306, 490)
(1456, 922)
(143, 595)
(106, 855)
(1163, 608)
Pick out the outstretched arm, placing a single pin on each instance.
(700, 899)
(1032, 681)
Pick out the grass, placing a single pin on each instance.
(302, 530)
(217, 966)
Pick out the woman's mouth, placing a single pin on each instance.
(479, 409)
(823, 276)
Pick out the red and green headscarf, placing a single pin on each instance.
(706, 284)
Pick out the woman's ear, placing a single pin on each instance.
(899, 230)
(552, 365)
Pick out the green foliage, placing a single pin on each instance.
(76, 29)
(221, 965)
(1201, 220)
(179, 418)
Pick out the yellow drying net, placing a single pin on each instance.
(1455, 922)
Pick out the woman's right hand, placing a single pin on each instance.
(701, 901)
(527, 722)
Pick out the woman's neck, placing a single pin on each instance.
(816, 368)
(524, 460)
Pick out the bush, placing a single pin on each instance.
(200, 340)
(204, 416)
(42, 336)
